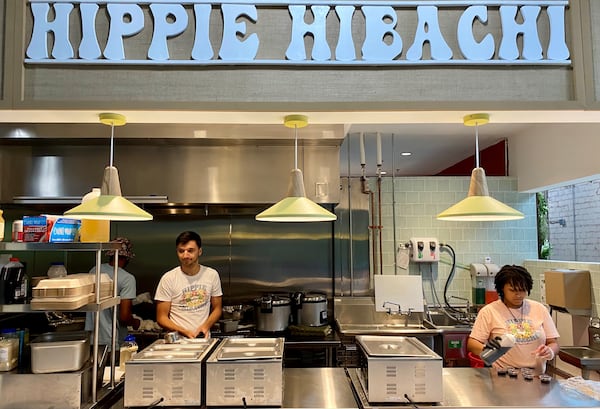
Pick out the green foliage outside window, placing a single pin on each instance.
(544, 247)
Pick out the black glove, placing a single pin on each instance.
(496, 347)
(493, 343)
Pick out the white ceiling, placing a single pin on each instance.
(437, 139)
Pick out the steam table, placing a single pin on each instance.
(463, 388)
(482, 387)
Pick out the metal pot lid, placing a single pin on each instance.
(273, 299)
(315, 297)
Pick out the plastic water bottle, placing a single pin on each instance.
(56, 270)
(128, 349)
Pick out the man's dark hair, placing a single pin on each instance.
(187, 236)
(518, 277)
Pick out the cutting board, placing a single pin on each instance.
(405, 290)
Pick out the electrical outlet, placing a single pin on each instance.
(424, 250)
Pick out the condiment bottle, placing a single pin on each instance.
(9, 353)
(127, 351)
(17, 231)
(14, 281)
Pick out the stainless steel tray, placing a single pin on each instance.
(186, 350)
(227, 353)
(177, 347)
(253, 342)
(196, 344)
(389, 346)
(168, 356)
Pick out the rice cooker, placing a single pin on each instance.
(311, 309)
(273, 313)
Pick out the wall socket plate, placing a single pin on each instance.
(424, 250)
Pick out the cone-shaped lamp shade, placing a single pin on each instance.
(296, 207)
(479, 205)
(110, 205)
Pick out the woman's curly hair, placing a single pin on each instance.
(518, 277)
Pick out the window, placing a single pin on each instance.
(569, 222)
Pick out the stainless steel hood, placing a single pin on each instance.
(184, 170)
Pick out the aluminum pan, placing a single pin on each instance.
(390, 346)
(247, 349)
(253, 342)
(186, 350)
(228, 354)
(168, 356)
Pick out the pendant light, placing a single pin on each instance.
(296, 207)
(110, 205)
(479, 205)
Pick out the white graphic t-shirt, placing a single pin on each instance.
(531, 325)
(189, 295)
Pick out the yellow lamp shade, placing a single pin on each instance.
(479, 206)
(296, 207)
(480, 209)
(108, 207)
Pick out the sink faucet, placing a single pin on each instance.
(468, 307)
(406, 314)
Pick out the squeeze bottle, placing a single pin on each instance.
(127, 351)
(94, 231)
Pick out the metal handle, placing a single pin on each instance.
(155, 403)
(266, 305)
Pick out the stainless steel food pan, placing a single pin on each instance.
(60, 352)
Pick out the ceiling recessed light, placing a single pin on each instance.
(406, 153)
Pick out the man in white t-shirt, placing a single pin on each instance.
(189, 297)
(527, 320)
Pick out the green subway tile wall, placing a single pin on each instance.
(415, 202)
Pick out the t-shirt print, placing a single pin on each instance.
(193, 297)
(522, 329)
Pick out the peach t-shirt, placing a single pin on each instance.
(531, 325)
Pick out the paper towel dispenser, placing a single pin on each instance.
(570, 290)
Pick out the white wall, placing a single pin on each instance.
(554, 155)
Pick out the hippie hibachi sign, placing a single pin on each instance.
(517, 41)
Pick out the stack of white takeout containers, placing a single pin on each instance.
(70, 292)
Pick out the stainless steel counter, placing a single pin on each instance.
(317, 388)
(463, 388)
(482, 387)
(303, 388)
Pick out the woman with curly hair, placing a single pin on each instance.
(527, 320)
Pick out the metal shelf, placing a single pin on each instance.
(91, 307)
(76, 246)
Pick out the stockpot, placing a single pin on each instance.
(273, 313)
(310, 309)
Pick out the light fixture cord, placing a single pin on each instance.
(112, 136)
(476, 145)
(295, 146)
(112, 147)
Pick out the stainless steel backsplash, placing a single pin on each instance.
(186, 171)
